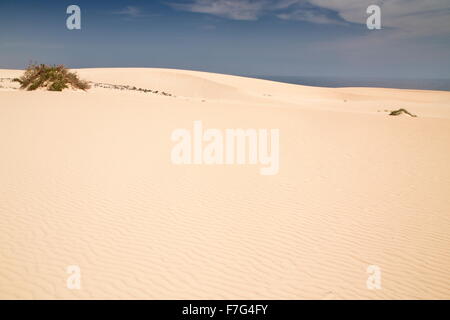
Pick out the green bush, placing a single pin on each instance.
(53, 78)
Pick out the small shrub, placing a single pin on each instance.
(53, 78)
(57, 86)
(400, 111)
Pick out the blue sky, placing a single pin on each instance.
(265, 37)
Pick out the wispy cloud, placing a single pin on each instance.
(231, 9)
(408, 17)
(404, 17)
(311, 16)
(131, 12)
(302, 10)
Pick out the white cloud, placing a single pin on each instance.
(130, 12)
(408, 17)
(309, 16)
(405, 17)
(231, 9)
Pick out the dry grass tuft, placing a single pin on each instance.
(53, 78)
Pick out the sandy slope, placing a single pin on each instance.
(86, 179)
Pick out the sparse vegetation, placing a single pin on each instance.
(400, 111)
(129, 88)
(52, 78)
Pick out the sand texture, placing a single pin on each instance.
(86, 179)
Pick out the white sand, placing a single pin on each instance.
(86, 179)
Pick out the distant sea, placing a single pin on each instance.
(419, 84)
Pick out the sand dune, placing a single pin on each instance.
(86, 179)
